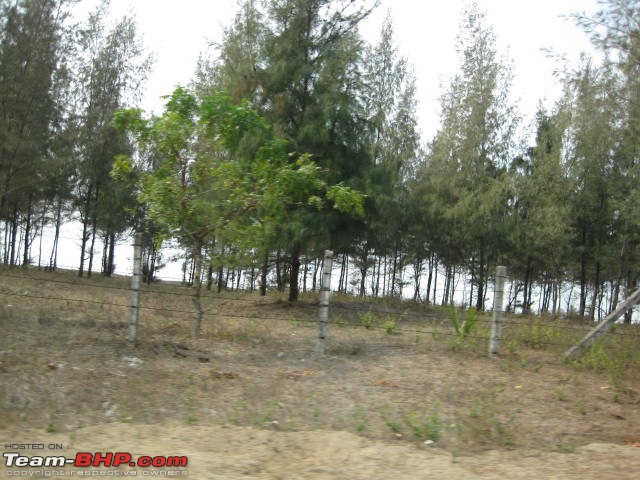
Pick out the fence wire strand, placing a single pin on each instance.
(357, 309)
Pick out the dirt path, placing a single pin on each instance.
(223, 453)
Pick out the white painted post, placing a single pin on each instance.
(325, 294)
(135, 288)
(496, 326)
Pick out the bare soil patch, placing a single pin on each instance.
(248, 399)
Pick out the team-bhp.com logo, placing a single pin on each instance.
(86, 459)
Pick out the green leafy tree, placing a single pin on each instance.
(297, 62)
(220, 174)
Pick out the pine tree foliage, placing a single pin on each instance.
(110, 69)
(32, 71)
(465, 171)
(297, 61)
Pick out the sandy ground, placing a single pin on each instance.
(217, 452)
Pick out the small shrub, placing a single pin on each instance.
(389, 326)
(463, 328)
(367, 319)
(426, 426)
(394, 425)
(360, 418)
(613, 366)
(485, 424)
(339, 321)
(50, 428)
(538, 335)
(565, 447)
(561, 395)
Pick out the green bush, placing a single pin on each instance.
(389, 326)
(367, 319)
(426, 426)
(463, 328)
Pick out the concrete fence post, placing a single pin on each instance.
(496, 324)
(135, 288)
(325, 294)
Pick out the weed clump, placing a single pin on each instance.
(463, 328)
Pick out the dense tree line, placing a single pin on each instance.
(559, 210)
(61, 80)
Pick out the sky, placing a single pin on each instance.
(425, 31)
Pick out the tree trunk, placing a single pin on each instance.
(254, 274)
(42, 224)
(452, 287)
(555, 297)
(197, 303)
(220, 278)
(377, 288)
(345, 277)
(91, 248)
(316, 270)
(482, 264)
(5, 253)
(417, 270)
(279, 282)
(427, 296)
(294, 288)
(435, 280)
(546, 297)
(473, 274)
(631, 282)
(447, 283)
(394, 271)
(304, 275)
(14, 238)
(583, 276)
(226, 279)
(53, 259)
(151, 270)
(111, 258)
(85, 230)
(105, 250)
(264, 271)
(384, 277)
(27, 234)
(526, 301)
(596, 292)
(615, 295)
(364, 260)
(209, 276)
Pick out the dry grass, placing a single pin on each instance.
(65, 364)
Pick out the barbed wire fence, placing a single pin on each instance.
(393, 318)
